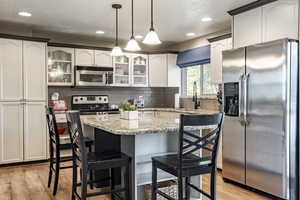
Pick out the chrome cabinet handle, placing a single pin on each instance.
(241, 100)
(246, 80)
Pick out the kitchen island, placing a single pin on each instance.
(154, 133)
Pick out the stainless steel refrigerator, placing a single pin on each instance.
(260, 131)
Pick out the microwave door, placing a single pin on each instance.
(90, 78)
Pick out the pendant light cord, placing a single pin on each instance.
(132, 16)
(152, 27)
(117, 25)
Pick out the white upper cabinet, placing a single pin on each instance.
(11, 132)
(139, 70)
(280, 20)
(247, 28)
(174, 72)
(35, 139)
(158, 70)
(60, 66)
(11, 71)
(34, 63)
(103, 58)
(84, 57)
(216, 49)
(276, 20)
(122, 70)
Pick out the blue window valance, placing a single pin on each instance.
(196, 56)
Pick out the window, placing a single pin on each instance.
(202, 75)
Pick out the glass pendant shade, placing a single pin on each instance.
(132, 45)
(152, 38)
(117, 51)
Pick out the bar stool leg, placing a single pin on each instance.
(127, 182)
(57, 166)
(50, 166)
(213, 184)
(180, 188)
(74, 180)
(91, 171)
(154, 181)
(84, 184)
(112, 183)
(187, 188)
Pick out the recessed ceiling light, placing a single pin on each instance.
(100, 32)
(206, 19)
(24, 14)
(190, 34)
(139, 36)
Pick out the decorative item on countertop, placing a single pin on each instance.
(128, 111)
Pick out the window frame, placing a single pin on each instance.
(184, 83)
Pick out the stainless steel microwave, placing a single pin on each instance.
(94, 76)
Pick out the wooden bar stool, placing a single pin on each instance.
(185, 163)
(55, 147)
(90, 161)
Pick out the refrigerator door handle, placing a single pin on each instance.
(241, 100)
(246, 80)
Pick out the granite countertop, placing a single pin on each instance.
(151, 120)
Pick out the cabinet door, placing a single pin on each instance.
(174, 72)
(247, 28)
(11, 132)
(35, 138)
(103, 58)
(11, 70)
(280, 20)
(60, 66)
(122, 70)
(84, 57)
(158, 70)
(34, 59)
(216, 61)
(139, 70)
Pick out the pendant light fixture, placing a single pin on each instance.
(152, 37)
(132, 44)
(117, 51)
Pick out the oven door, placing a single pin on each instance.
(90, 78)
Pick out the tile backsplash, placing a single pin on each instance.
(163, 97)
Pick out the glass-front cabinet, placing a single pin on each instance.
(139, 70)
(131, 70)
(122, 70)
(60, 66)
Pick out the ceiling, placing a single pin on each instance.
(172, 18)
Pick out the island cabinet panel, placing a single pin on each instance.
(103, 58)
(11, 71)
(280, 20)
(247, 28)
(84, 57)
(158, 70)
(35, 139)
(34, 63)
(11, 132)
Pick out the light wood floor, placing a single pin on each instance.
(30, 183)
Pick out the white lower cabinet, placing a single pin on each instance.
(35, 139)
(11, 132)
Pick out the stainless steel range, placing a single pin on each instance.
(91, 104)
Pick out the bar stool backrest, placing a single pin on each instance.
(190, 142)
(52, 126)
(76, 136)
